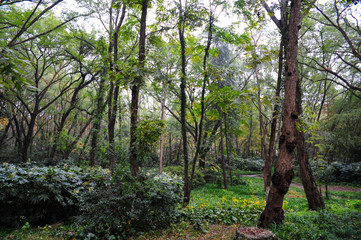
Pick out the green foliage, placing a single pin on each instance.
(11, 74)
(248, 164)
(130, 206)
(148, 133)
(198, 179)
(237, 205)
(44, 194)
(324, 224)
(340, 172)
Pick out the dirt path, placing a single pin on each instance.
(330, 187)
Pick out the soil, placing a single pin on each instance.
(330, 187)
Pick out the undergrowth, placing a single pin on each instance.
(215, 212)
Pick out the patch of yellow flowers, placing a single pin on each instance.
(250, 203)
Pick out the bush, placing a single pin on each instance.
(41, 195)
(248, 164)
(130, 206)
(198, 179)
(339, 172)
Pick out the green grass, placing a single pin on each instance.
(340, 220)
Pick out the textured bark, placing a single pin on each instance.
(267, 171)
(133, 157)
(314, 197)
(186, 195)
(283, 174)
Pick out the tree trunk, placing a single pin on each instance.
(314, 197)
(261, 123)
(96, 124)
(228, 150)
(207, 144)
(283, 174)
(133, 156)
(223, 162)
(28, 137)
(186, 196)
(249, 142)
(165, 91)
(4, 134)
(267, 171)
(204, 85)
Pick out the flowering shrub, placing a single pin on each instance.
(44, 194)
(130, 206)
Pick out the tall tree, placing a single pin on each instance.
(116, 20)
(181, 30)
(135, 91)
(283, 175)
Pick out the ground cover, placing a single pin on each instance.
(215, 213)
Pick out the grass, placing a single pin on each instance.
(215, 213)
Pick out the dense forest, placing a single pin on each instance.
(138, 104)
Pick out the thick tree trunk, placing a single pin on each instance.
(283, 174)
(133, 156)
(314, 198)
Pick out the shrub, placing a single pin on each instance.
(41, 195)
(248, 164)
(198, 179)
(129, 206)
(340, 172)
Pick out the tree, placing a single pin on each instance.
(86, 77)
(283, 173)
(115, 23)
(339, 21)
(135, 91)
